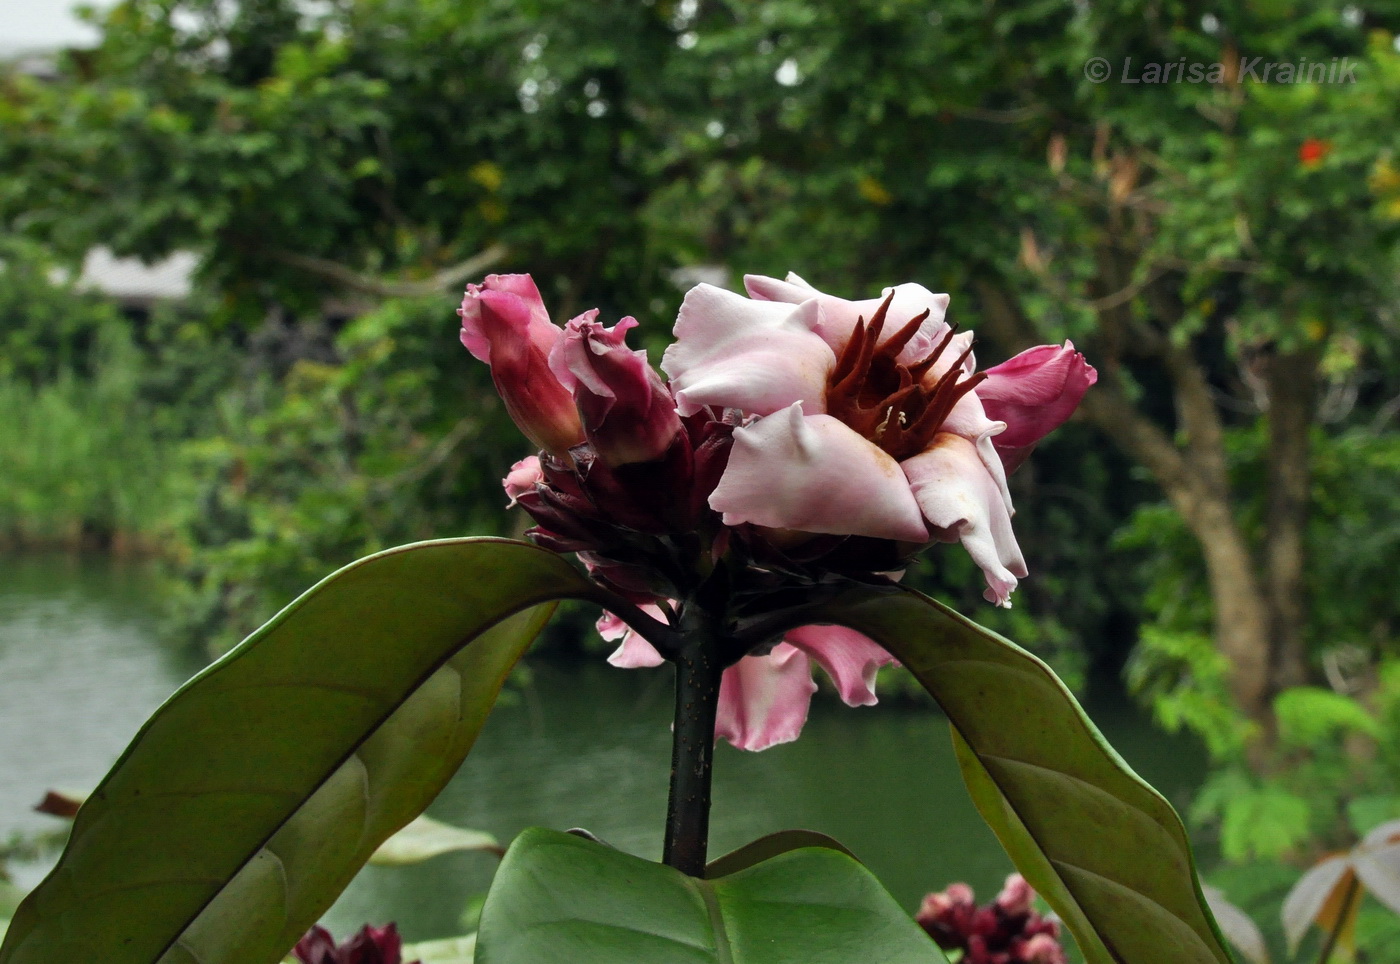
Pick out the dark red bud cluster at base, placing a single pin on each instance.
(372, 945)
(636, 522)
(1006, 931)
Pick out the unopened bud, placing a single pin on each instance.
(505, 324)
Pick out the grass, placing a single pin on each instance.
(82, 461)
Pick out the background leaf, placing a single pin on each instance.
(559, 897)
(425, 838)
(1101, 846)
(450, 950)
(249, 800)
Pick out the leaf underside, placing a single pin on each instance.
(1106, 850)
(251, 798)
(560, 897)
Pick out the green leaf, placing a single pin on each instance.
(426, 838)
(559, 897)
(1263, 822)
(1365, 813)
(10, 898)
(770, 846)
(1307, 715)
(250, 799)
(1104, 849)
(450, 950)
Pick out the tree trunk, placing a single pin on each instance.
(1193, 479)
(1291, 379)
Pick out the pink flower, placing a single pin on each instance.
(801, 436)
(628, 413)
(372, 945)
(523, 477)
(1041, 949)
(1034, 393)
(505, 324)
(866, 417)
(1015, 897)
(763, 699)
(1006, 931)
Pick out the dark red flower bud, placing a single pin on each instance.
(627, 411)
(505, 324)
(372, 945)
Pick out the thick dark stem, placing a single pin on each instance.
(698, 669)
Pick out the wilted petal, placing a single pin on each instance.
(635, 652)
(1379, 870)
(763, 700)
(839, 316)
(1236, 925)
(1310, 894)
(627, 411)
(523, 477)
(731, 352)
(1034, 393)
(1382, 834)
(959, 497)
(850, 658)
(813, 473)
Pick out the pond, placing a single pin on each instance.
(579, 744)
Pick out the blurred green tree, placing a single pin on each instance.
(1223, 246)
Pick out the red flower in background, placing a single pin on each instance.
(1006, 931)
(372, 945)
(1312, 152)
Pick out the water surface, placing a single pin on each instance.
(578, 745)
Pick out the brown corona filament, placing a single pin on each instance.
(890, 402)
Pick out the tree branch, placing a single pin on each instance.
(349, 278)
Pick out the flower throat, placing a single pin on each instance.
(888, 401)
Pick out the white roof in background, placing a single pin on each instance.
(26, 24)
(129, 279)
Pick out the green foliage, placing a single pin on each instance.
(807, 904)
(83, 459)
(1308, 715)
(1183, 677)
(376, 436)
(1256, 821)
(1104, 849)
(247, 803)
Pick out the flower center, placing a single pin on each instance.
(890, 402)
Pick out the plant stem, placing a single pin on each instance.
(1335, 935)
(698, 671)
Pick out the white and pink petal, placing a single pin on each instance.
(815, 474)
(961, 499)
(763, 700)
(850, 658)
(756, 356)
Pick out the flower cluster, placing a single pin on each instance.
(372, 945)
(800, 439)
(1006, 931)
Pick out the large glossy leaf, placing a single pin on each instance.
(560, 897)
(1103, 848)
(249, 800)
